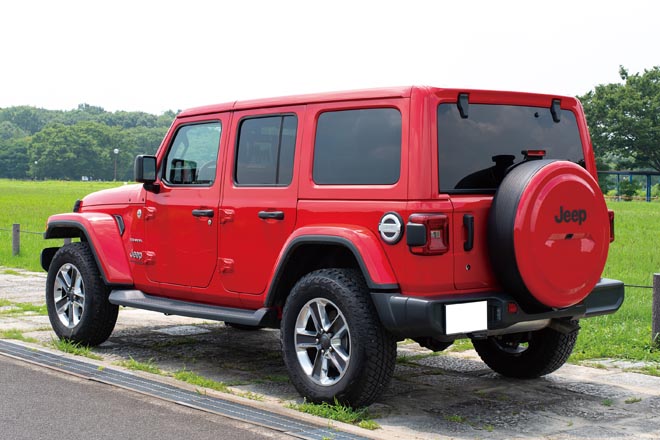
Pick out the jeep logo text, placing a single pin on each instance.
(576, 216)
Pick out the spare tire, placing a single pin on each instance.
(548, 234)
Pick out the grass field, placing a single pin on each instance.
(634, 257)
(29, 204)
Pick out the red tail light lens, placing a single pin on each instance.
(611, 214)
(436, 234)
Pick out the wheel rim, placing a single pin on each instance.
(69, 295)
(322, 341)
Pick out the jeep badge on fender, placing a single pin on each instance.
(406, 212)
(576, 216)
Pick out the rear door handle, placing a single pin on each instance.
(271, 215)
(468, 222)
(203, 212)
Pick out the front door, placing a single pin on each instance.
(260, 195)
(181, 220)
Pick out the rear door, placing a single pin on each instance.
(260, 195)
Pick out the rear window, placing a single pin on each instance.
(358, 147)
(474, 153)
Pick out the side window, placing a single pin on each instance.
(358, 147)
(193, 155)
(266, 147)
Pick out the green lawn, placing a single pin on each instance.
(29, 204)
(634, 257)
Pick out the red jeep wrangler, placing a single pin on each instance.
(350, 221)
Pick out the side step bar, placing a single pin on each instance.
(264, 317)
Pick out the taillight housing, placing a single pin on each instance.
(611, 216)
(428, 234)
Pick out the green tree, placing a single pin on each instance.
(56, 144)
(624, 119)
(14, 158)
(9, 130)
(70, 152)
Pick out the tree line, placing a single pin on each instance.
(623, 118)
(624, 121)
(40, 144)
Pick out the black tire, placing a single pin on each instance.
(545, 351)
(77, 297)
(501, 219)
(249, 328)
(342, 296)
(526, 205)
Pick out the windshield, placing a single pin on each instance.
(474, 153)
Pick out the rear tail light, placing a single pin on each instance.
(428, 234)
(611, 215)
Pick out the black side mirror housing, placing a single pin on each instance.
(145, 170)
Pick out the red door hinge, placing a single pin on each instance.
(149, 257)
(149, 213)
(226, 265)
(226, 216)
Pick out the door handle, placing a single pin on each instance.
(203, 212)
(468, 222)
(271, 215)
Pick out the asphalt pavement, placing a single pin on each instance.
(432, 395)
(37, 403)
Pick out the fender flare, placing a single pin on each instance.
(103, 234)
(361, 242)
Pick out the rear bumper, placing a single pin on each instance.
(411, 317)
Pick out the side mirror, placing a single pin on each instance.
(145, 172)
(145, 169)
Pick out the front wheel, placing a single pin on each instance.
(527, 355)
(77, 297)
(333, 342)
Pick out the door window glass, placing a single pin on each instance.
(266, 148)
(193, 156)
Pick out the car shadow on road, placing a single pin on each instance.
(450, 394)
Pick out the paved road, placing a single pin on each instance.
(36, 403)
(451, 395)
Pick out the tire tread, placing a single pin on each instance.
(99, 316)
(380, 355)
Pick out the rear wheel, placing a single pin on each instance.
(526, 355)
(77, 297)
(333, 342)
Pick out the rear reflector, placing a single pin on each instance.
(512, 308)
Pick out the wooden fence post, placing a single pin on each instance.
(655, 319)
(15, 239)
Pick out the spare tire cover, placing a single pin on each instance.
(548, 233)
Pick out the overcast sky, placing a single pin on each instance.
(158, 55)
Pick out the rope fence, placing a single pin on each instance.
(16, 237)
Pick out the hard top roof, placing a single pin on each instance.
(364, 94)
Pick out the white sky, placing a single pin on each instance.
(158, 55)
